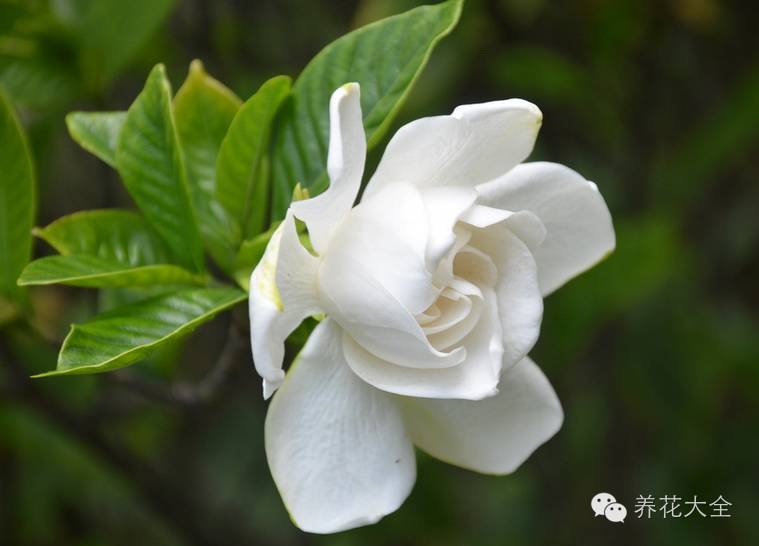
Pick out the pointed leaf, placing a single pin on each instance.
(17, 200)
(97, 132)
(204, 108)
(94, 272)
(385, 58)
(151, 165)
(128, 334)
(242, 187)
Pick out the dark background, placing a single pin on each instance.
(654, 353)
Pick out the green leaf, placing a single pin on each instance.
(97, 132)
(17, 200)
(128, 334)
(151, 165)
(95, 272)
(111, 234)
(110, 32)
(204, 109)
(385, 58)
(39, 82)
(242, 186)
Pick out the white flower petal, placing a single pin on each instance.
(492, 436)
(374, 279)
(524, 224)
(444, 205)
(375, 319)
(336, 447)
(475, 144)
(474, 378)
(387, 235)
(475, 266)
(345, 166)
(459, 317)
(283, 292)
(579, 228)
(520, 304)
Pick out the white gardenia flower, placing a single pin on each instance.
(432, 290)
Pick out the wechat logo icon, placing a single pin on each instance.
(604, 504)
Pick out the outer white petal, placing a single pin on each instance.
(579, 228)
(520, 304)
(345, 166)
(475, 144)
(283, 291)
(336, 447)
(473, 379)
(492, 436)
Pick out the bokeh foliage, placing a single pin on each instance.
(654, 353)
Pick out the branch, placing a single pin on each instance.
(188, 394)
(167, 496)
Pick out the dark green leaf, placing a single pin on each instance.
(97, 132)
(38, 82)
(94, 272)
(109, 32)
(386, 58)
(204, 109)
(17, 200)
(150, 162)
(242, 187)
(128, 334)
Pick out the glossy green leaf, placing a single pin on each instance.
(97, 132)
(95, 272)
(128, 334)
(242, 186)
(204, 109)
(151, 164)
(111, 234)
(17, 200)
(386, 58)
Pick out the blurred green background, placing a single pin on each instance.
(654, 353)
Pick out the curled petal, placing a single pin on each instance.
(492, 436)
(474, 378)
(444, 206)
(337, 447)
(283, 292)
(524, 224)
(475, 144)
(345, 166)
(374, 281)
(578, 224)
